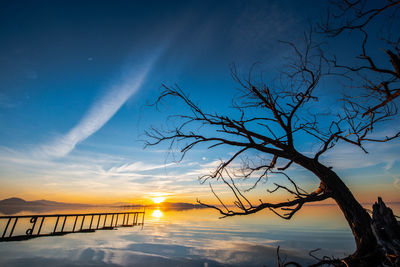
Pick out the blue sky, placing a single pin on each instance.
(77, 75)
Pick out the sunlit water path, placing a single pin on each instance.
(192, 238)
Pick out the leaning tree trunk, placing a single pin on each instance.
(356, 216)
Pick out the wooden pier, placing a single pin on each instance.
(62, 224)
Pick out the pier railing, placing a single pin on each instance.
(16, 228)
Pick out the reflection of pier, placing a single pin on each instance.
(16, 228)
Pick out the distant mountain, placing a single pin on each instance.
(47, 202)
(14, 201)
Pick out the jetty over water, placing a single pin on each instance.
(17, 228)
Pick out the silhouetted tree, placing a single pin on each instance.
(273, 118)
(376, 72)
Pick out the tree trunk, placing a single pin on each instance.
(356, 216)
(387, 231)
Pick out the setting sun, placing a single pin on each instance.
(158, 200)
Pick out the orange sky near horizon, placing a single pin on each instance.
(363, 193)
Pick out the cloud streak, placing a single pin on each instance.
(138, 166)
(100, 112)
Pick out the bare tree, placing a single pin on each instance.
(272, 118)
(375, 71)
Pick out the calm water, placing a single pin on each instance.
(191, 238)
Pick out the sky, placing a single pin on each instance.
(77, 78)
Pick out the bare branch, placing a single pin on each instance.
(298, 203)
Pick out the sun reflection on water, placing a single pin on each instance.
(157, 214)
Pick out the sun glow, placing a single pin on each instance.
(158, 200)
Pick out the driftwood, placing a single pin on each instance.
(387, 232)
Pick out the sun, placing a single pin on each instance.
(158, 200)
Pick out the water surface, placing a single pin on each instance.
(194, 237)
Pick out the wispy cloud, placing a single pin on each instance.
(138, 166)
(101, 111)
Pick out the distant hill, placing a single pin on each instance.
(14, 201)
